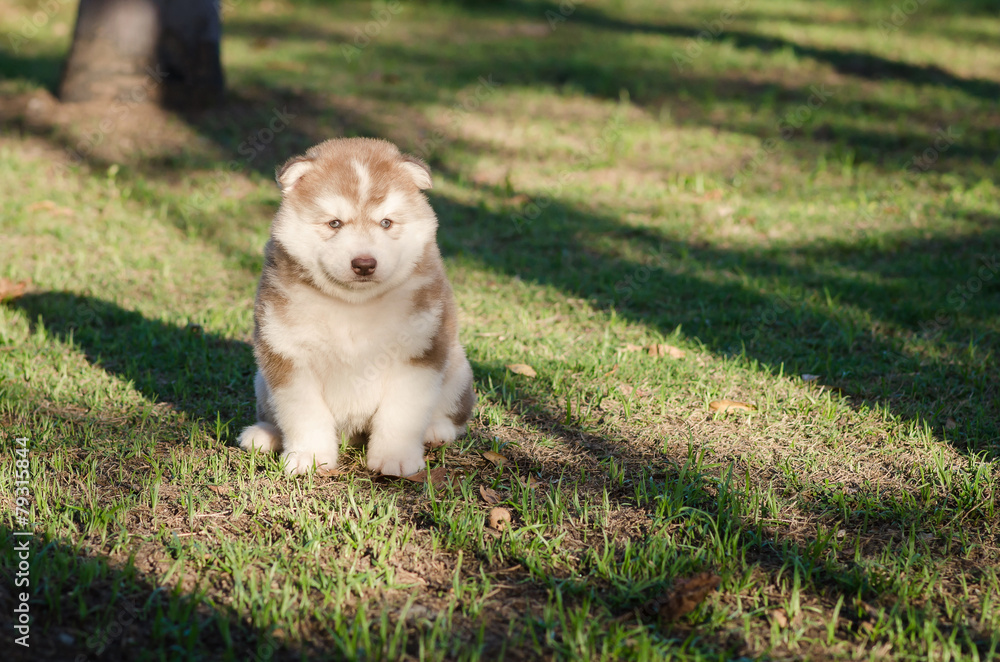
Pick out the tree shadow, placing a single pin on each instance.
(653, 82)
(196, 371)
(777, 311)
(204, 374)
(41, 69)
(88, 607)
(193, 371)
(848, 62)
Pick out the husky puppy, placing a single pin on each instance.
(355, 328)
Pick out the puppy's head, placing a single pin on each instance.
(353, 215)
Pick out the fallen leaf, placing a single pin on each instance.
(530, 482)
(496, 458)
(221, 490)
(685, 596)
(662, 349)
(489, 496)
(779, 618)
(881, 651)
(612, 371)
(329, 472)
(726, 405)
(629, 390)
(435, 475)
(809, 378)
(522, 369)
(499, 518)
(11, 290)
(48, 205)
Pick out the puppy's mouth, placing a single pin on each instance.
(354, 282)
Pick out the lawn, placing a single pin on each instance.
(799, 200)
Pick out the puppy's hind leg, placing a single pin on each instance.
(454, 407)
(264, 435)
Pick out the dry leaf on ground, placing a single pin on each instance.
(329, 472)
(489, 496)
(530, 482)
(779, 618)
(496, 458)
(522, 369)
(662, 349)
(51, 206)
(726, 405)
(686, 595)
(499, 518)
(656, 349)
(435, 475)
(630, 390)
(11, 290)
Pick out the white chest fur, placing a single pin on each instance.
(348, 348)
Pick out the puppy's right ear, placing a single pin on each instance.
(292, 171)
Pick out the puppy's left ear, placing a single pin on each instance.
(292, 171)
(420, 171)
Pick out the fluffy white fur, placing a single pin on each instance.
(343, 355)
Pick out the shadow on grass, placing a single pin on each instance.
(589, 255)
(202, 374)
(87, 607)
(195, 372)
(847, 309)
(653, 80)
(41, 69)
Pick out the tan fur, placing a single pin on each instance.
(462, 412)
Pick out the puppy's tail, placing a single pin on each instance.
(261, 436)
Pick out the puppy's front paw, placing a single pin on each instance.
(262, 437)
(400, 462)
(298, 462)
(439, 433)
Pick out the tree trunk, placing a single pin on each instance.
(162, 51)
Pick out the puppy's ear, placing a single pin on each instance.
(290, 173)
(420, 171)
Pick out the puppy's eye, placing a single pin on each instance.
(334, 224)
(386, 223)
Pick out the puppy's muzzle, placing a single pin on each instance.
(364, 265)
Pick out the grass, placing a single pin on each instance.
(595, 192)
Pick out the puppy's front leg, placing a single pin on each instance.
(308, 429)
(396, 446)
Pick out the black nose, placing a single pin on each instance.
(364, 265)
